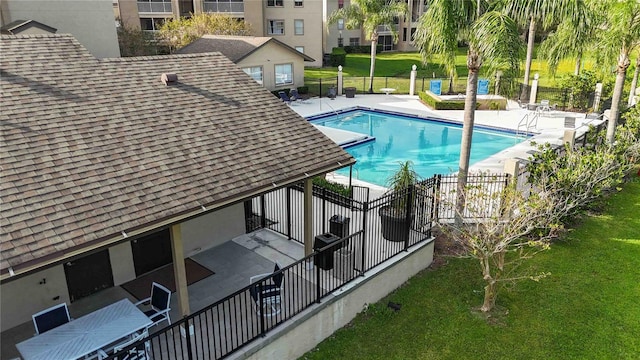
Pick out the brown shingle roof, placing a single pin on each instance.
(91, 148)
(235, 48)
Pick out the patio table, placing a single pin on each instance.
(86, 335)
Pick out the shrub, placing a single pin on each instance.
(361, 49)
(303, 90)
(335, 187)
(338, 57)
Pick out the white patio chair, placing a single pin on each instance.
(159, 302)
(51, 318)
(266, 295)
(544, 105)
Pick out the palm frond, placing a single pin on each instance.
(495, 36)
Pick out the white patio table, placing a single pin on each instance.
(86, 335)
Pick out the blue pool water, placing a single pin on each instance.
(433, 146)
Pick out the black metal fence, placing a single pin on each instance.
(352, 237)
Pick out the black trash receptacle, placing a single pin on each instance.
(339, 226)
(324, 260)
(350, 92)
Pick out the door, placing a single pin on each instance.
(88, 275)
(151, 252)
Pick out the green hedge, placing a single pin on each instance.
(335, 187)
(361, 49)
(436, 103)
(338, 57)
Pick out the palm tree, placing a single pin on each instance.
(570, 39)
(634, 82)
(492, 38)
(369, 15)
(617, 38)
(546, 12)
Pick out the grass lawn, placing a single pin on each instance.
(399, 64)
(588, 308)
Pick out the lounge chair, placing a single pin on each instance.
(296, 97)
(267, 294)
(284, 97)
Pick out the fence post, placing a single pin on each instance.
(288, 207)
(534, 89)
(423, 84)
(436, 197)
(340, 80)
(570, 138)
(320, 87)
(318, 287)
(324, 210)
(409, 214)
(365, 212)
(263, 212)
(596, 97)
(512, 168)
(412, 81)
(364, 84)
(263, 332)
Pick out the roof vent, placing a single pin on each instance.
(169, 78)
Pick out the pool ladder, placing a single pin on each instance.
(529, 121)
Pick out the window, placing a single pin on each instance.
(300, 49)
(299, 27)
(284, 74)
(156, 6)
(404, 34)
(354, 41)
(275, 27)
(297, 3)
(272, 3)
(255, 72)
(340, 42)
(341, 4)
(224, 6)
(151, 24)
(340, 24)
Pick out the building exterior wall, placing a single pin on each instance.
(304, 333)
(91, 22)
(254, 15)
(21, 298)
(268, 57)
(213, 229)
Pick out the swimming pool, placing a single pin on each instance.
(432, 145)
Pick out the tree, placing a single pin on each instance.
(135, 42)
(571, 38)
(547, 13)
(182, 32)
(618, 37)
(634, 83)
(492, 37)
(368, 15)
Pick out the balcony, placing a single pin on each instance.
(146, 6)
(223, 6)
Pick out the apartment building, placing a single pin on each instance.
(301, 24)
(89, 21)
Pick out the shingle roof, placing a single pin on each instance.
(235, 48)
(17, 26)
(91, 148)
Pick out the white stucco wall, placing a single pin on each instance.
(273, 54)
(316, 324)
(24, 297)
(91, 22)
(213, 229)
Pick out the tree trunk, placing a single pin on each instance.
(473, 64)
(527, 64)
(634, 83)
(576, 70)
(489, 297)
(374, 43)
(623, 64)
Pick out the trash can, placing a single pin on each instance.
(344, 263)
(350, 92)
(331, 94)
(324, 259)
(339, 226)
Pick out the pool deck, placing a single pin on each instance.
(550, 126)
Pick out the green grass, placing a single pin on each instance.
(588, 308)
(398, 64)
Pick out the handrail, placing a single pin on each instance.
(528, 122)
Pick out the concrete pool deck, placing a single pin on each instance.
(549, 129)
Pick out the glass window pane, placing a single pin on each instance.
(284, 74)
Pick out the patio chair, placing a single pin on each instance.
(51, 318)
(267, 294)
(296, 97)
(569, 122)
(284, 97)
(545, 106)
(159, 303)
(135, 338)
